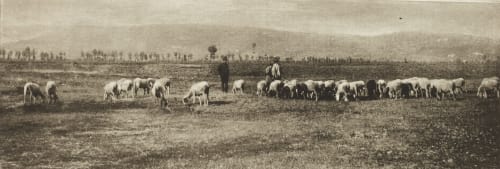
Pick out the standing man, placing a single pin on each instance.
(269, 76)
(275, 70)
(224, 74)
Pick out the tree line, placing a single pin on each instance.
(31, 54)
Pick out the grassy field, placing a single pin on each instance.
(243, 131)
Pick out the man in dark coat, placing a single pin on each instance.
(224, 74)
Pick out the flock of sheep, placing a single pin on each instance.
(341, 90)
(399, 88)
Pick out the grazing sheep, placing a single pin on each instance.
(275, 88)
(165, 82)
(142, 84)
(459, 85)
(371, 87)
(159, 91)
(302, 90)
(357, 87)
(111, 91)
(406, 89)
(261, 86)
(488, 84)
(329, 89)
(238, 85)
(412, 84)
(34, 92)
(290, 89)
(51, 90)
(424, 85)
(394, 88)
(442, 87)
(200, 89)
(381, 87)
(313, 89)
(343, 91)
(124, 86)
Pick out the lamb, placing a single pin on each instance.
(238, 85)
(34, 91)
(200, 89)
(51, 90)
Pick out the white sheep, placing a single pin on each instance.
(111, 91)
(356, 87)
(51, 90)
(488, 84)
(459, 85)
(261, 85)
(343, 90)
(200, 89)
(381, 86)
(159, 91)
(238, 85)
(125, 86)
(34, 91)
(442, 87)
(276, 87)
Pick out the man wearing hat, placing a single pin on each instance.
(224, 74)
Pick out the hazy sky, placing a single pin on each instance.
(360, 17)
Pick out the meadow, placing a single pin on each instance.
(244, 131)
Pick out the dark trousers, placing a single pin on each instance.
(224, 83)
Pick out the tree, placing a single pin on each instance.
(212, 49)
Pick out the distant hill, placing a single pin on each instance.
(196, 38)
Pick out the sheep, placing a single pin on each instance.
(344, 91)
(459, 85)
(261, 85)
(34, 92)
(51, 90)
(275, 88)
(142, 84)
(424, 85)
(443, 86)
(488, 84)
(290, 89)
(412, 84)
(313, 88)
(381, 87)
(165, 82)
(159, 91)
(371, 87)
(238, 85)
(329, 89)
(393, 88)
(125, 85)
(301, 90)
(200, 89)
(111, 91)
(356, 87)
(321, 88)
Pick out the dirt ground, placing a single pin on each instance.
(238, 131)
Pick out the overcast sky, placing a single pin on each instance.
(359, 17)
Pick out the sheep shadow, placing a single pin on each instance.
(219, 102)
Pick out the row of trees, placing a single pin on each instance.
(113, 56)
(30, 54)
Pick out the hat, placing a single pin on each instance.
(224, 58)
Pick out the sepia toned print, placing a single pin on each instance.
(249, 84)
